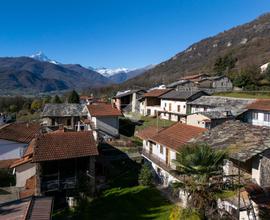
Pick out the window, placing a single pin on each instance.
(170, 107)
(255, 115)
(267, 117)
(161, 149)
(178, 108)
(165, 104)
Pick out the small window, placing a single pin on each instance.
(161, 149)
(267, 117)
(255, 115)
(178, 108)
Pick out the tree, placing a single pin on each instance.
(145, 176)
(13, 108)
(74, 97)
(202, 167)
(36, 105)
(224, 64)
(57, 99)
(47, 99)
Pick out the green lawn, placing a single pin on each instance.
(136, 203)
(148, 121)
(246, 94)
(133, 203)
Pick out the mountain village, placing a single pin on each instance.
(142, 110)
(70, 151)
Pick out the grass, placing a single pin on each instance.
(137, 202)
(246, 94)
(148, 121)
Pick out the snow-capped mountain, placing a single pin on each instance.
(107, 72)
(119, 75)
(42, 57)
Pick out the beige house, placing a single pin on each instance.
(208, 119)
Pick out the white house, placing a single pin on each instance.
(174, 104)
(160, 148)
(104, 118)
(14, 139)
(258, 113)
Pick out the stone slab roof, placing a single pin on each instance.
(242, 140)
(180, 82)
(156, 92)
(215, 114)
(63, 110)
(181, 95)
(127, 93)
(236, 105)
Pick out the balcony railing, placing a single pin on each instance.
(157, 160)
(162, 164)
(55, 183)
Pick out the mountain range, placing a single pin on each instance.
(120, 75)
(38, 73)
(248, 43)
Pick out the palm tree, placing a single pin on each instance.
(201, 167)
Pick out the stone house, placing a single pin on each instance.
(236, 106)
(64, 114)
(248, 147)
(150, 103)
(128, 101)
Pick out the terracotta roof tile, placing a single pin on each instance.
(102, 110)
(156, 92)
(174, 136)
(19, 132)
(64, 145)
(148, 132)
(260, 104)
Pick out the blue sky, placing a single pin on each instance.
(113, 33)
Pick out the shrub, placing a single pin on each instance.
(145, 176)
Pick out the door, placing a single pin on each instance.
(167, 157)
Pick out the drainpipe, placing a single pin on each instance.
(238, 189)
